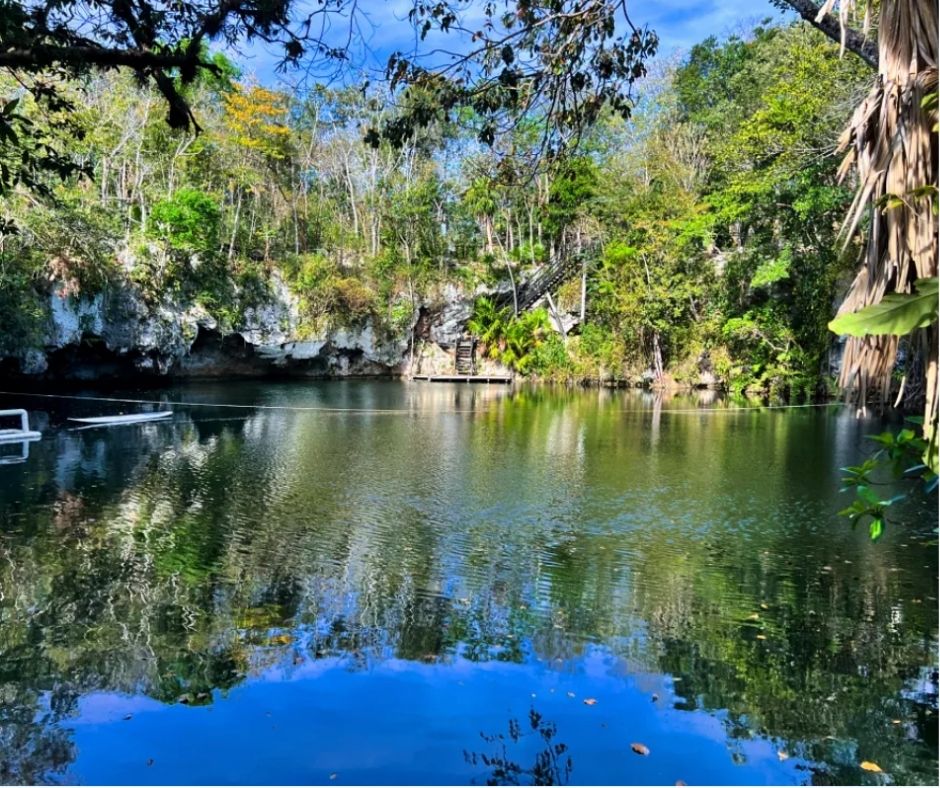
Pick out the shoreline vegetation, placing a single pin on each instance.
(666, 389)
(277, 241)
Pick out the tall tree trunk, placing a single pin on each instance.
(583, 276)
(657, 344)
(583, 289)
(657, 358)
(515, 292)
(352, 198)
(531, 234)
(238, 209)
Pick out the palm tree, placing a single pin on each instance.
(488, 322)
(891, 145)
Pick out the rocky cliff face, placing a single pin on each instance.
(118, 335)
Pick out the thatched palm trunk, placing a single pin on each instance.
(891, 145)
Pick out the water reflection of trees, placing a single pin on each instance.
(190, 557)
(505, 764)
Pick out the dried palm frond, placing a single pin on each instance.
(890, 144)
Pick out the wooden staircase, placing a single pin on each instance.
(464, 357)
(547, 279)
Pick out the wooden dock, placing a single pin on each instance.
(464, 378)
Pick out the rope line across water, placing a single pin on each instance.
(390, 411)
(318, 408)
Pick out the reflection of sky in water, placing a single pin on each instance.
(305, 722)
(370, 589)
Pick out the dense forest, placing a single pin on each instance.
(706, 223)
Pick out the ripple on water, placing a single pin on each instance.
(462, 569)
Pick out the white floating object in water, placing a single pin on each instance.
(24, 433)
(130, 418)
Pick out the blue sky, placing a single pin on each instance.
(682, 23)
(679, 23)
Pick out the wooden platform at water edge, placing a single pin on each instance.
(464, 378)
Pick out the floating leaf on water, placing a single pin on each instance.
(870, 766)
(590, 701)
(640, 749)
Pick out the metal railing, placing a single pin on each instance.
(546, 279)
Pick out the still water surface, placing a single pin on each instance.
(473, 586)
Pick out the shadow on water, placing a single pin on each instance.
(389, 585)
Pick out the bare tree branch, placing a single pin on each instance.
(855, 42)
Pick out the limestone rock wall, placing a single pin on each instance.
(119, 336)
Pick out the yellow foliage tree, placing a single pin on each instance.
(257, 118)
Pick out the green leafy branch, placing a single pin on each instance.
(900, 453)
(896, 313)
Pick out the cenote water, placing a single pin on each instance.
(424, 583)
